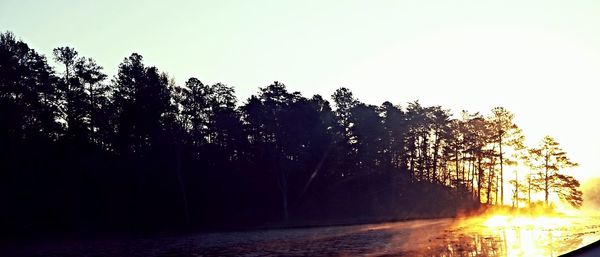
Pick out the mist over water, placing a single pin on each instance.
(591, 195)
(491, 235)
(532, 236)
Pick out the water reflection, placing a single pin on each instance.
(495, 236)
(441, 237)
(536, 238)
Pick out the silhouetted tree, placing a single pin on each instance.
(84, 95)
(143, 151)
(549, 160)
(502, 127)
(439, 119)
(141, 97)
(394, 123)
(367, 130)
(29, 91)
(269, 115)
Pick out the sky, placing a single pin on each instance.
(538, 59)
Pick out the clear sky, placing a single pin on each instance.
(539, 59)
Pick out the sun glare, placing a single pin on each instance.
(525, 221)
(533, 235)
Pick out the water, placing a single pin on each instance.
(481, 236)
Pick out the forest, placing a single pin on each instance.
(80, 151)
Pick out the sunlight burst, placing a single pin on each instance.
(525, 221)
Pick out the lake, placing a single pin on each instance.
(476, 236)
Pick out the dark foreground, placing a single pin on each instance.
(496, 236)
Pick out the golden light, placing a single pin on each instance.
(508, 221)
(534, 234)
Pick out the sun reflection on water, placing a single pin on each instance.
(533, 235)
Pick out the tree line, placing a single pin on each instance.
(79, 149)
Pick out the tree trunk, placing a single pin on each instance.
(489, 187)
(435, 157)
(462, 174)
(490, 176)
(456, 160)
(501, 174)
(182, 189)
(496, 190)
(469, 175)
(516, 193)
(529, 189)
(284, 194)
(546, 182)
(472, 176)
(479, 175)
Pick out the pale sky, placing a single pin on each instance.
(539, 59)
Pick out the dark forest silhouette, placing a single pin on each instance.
(81, 152)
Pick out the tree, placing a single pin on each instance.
(85, 96)
(344, 102)
(503, 127)
(67, 56)
(146, 151)
(91, 77)
(549, 160)
(223, 121)
(74, 106)
(478, 146)
(271, 118)
(196, 111)
(454, 149)
(394, 123)
(142, 97)
(28, 91)
(417, 139)
(439, 119)
(30, 127)
(368, 131)
(518, 191)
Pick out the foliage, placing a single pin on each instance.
(139, 151)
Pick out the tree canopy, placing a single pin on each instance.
(80, 150)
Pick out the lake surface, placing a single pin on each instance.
(480, 236)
